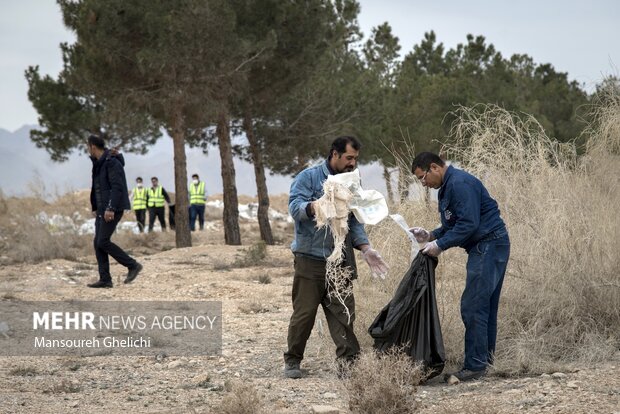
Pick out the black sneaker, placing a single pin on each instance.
(466, 375)
(292, 370)
(133, 273)
(100, 284)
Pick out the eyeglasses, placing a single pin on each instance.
(423, 178)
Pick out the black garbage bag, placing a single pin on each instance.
(411, 319)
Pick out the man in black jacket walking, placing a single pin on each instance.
(109, 199)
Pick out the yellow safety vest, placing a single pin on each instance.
(156, 198)
(197, 193)
(139, 198)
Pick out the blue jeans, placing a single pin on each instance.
(486, 266)
(196, 210)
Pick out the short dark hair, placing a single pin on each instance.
(340, 145)
(97, 141)
(195, 175)
(154, 178)
(139, 179)
(424, 160)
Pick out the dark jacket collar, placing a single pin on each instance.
(97, 163)
(446, 178)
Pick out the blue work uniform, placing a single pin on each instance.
(470, 219)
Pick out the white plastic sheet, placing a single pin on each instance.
(368, 206)
(400, 220)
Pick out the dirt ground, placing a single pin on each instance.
(255, 320)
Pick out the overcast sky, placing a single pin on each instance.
(578, 37)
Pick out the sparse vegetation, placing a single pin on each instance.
(251, 256)
(561, 299)
(264, 279)
(252, 306)
(24, 238)
(222, 265)
(24, 371)
(65, 386)
(240, 399)
(385, 383)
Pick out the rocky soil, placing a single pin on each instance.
(255, 319)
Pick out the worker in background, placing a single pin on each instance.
(157, 197)
(139, 197)
(197, 198)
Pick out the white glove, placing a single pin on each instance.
(421, 235)
(432, 249)
(378, 268)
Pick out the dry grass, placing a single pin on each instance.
(65, 386)
(561, 297)
(240, 399)
(253, 255)
(24, 371)
(264, 279)
(252, 307)
(24, 239)
(384, 383)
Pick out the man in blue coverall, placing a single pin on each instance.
(311, 247)
(469, 219)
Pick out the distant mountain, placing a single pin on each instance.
(23, 165)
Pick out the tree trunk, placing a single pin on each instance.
(261, 181)
(387, 176)
(403, 184)
(182, 233)
(232, 234)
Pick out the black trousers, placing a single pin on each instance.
(171, 220)
(310, 291)
(141, 219)
(158, 212)
(105, 248)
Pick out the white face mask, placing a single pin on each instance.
(139, 185)
(195, 182)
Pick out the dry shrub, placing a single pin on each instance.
(240, 399)
(65, 386)
(252, 306)
(264, 279)
(383, 383)
(561, 297)
(24, 239)
(251, 256)
(222, 265)
(24, 371)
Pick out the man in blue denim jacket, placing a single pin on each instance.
(311, 247)
(469, 219)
